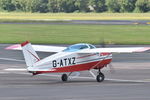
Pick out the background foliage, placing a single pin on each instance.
(68, 6)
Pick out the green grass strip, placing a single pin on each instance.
(69, 34)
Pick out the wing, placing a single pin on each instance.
(116, 50)
(41, 48)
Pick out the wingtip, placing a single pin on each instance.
(24, 43)
(12, 47)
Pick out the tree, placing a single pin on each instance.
(148, 5)
(34, 5)
(7, 5)
(98, 5)
(1, 8)
(66, 5)
(113, 5)
(82, 5)
(20, 5)
(52, 5)
(43, 6)
(127, 5)
(17, 5)
(131, 5)
(142, 6)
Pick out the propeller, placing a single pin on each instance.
(103, 45)
(112, 69)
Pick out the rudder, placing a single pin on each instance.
(29, 53)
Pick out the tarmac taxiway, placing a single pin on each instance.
(130, 81)
(94, 22)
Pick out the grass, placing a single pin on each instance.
(69, 34)
(74, 16)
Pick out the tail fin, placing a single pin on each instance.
(30, 55)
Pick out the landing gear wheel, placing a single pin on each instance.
(64, 77)
(100, 77)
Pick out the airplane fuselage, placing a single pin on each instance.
(72, 62)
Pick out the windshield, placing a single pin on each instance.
(77, 47)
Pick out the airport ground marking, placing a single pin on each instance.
(10, 59)
(12, 70)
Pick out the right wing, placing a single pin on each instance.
(41, 48)
(116, 50)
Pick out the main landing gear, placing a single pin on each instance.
(99, 78)
(64, 77)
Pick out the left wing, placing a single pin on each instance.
(116, 50)
(41, 48)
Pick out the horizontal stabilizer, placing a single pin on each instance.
(41, 48)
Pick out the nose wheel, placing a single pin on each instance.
(100, 77)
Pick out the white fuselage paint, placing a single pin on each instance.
(63, 59)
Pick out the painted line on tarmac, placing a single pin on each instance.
(107, 79)
(116, 80)
(122, 80)
(12, 70)
(9, 59)
(49, 20)
(15, 69)
(4, 72)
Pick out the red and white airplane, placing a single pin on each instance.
(77, 57)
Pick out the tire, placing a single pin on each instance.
(100, 77)
(64, 77)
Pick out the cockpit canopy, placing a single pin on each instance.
(79, 46)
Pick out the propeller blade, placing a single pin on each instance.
(112, 69)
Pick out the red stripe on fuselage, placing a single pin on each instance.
(105, 54)
(79, 67)
(86, 56)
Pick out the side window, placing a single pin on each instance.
(83, 47)
(92, 47)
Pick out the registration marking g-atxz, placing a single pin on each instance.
(64, 62)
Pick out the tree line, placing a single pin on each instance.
(68, 6)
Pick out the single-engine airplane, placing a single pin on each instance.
(77, 57)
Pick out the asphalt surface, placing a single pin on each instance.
(129, 79)
(113, 22)
(99, 22)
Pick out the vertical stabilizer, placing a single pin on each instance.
(30, 55)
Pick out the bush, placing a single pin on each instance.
(113, 5)
(142, 6)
